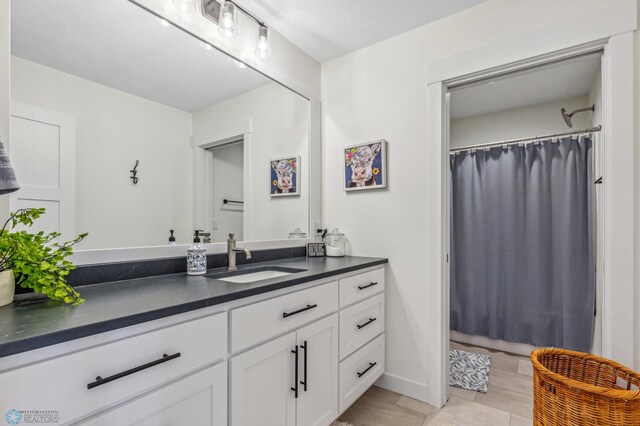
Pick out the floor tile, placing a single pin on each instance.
(520, 421)
(380, 407)
(507, 400)
(469, 395)
(502, 361)
(416, 405)
(511, 381)
(459, 411)
(525, 367)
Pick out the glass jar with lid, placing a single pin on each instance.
(335, 242)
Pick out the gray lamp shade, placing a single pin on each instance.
(8, 181)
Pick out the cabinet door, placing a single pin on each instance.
(199, 399)
(261, 384)
(318, 373)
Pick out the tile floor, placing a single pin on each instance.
(508, 402)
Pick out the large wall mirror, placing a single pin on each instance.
(103, 88)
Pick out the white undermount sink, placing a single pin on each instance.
(255, 276)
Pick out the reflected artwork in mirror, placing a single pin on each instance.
(100, 86)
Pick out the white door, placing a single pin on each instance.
(228, 184)
(261, 384)
(318, 373)
(43, 153)
(198, 400)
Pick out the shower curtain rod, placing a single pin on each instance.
(513, 141)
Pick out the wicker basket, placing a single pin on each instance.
(573, 388)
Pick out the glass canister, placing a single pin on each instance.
(297, 234)
(335, 243)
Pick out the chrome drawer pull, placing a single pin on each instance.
(100, 381)
(362, 287)
(288, 314)
(371, 365)
(366, 323)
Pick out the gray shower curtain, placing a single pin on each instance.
(522, 243)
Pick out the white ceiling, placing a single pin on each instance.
(326, 29)
(118, 44)
(563, 80)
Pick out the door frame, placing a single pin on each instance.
(202, 187)
(578, 36)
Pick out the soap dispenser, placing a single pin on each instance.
(196, 256)
(172, 238)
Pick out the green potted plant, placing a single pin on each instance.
(35, 260)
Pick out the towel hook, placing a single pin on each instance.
(134, 172)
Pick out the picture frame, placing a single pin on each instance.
(365, 166)
(285, 176)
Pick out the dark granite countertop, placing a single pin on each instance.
(33, 322)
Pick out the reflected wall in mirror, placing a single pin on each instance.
(97, 86)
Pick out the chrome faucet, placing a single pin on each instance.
(231, 253)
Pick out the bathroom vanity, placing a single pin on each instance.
(297, 349)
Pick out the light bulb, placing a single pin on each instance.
(228, 22)
(263, 48)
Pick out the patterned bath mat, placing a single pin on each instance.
(468, 370)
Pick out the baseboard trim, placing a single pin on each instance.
(404, 386)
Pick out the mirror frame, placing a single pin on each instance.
(275, 69)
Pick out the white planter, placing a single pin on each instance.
(7, 287)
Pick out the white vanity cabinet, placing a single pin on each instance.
(293, 357)
(81, 383)
(199, 399)
(291, 380)
(331, 352)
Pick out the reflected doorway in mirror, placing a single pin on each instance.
(285, 175)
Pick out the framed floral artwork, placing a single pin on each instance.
(365, 166)
(285, 176)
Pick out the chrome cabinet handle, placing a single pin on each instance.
(101, 381)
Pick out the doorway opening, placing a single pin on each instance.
(513, 189)
(227, 190)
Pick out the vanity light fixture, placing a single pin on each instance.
(228, 24)
(228, 21)
(263, 50)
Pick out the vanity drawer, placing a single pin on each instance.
(258, 322)
(361, 286)
(359, 371)
(69, 383)
(360, 323)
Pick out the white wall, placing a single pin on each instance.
(381, 92)
(279, 128)
(532, 120)
(114, 129)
